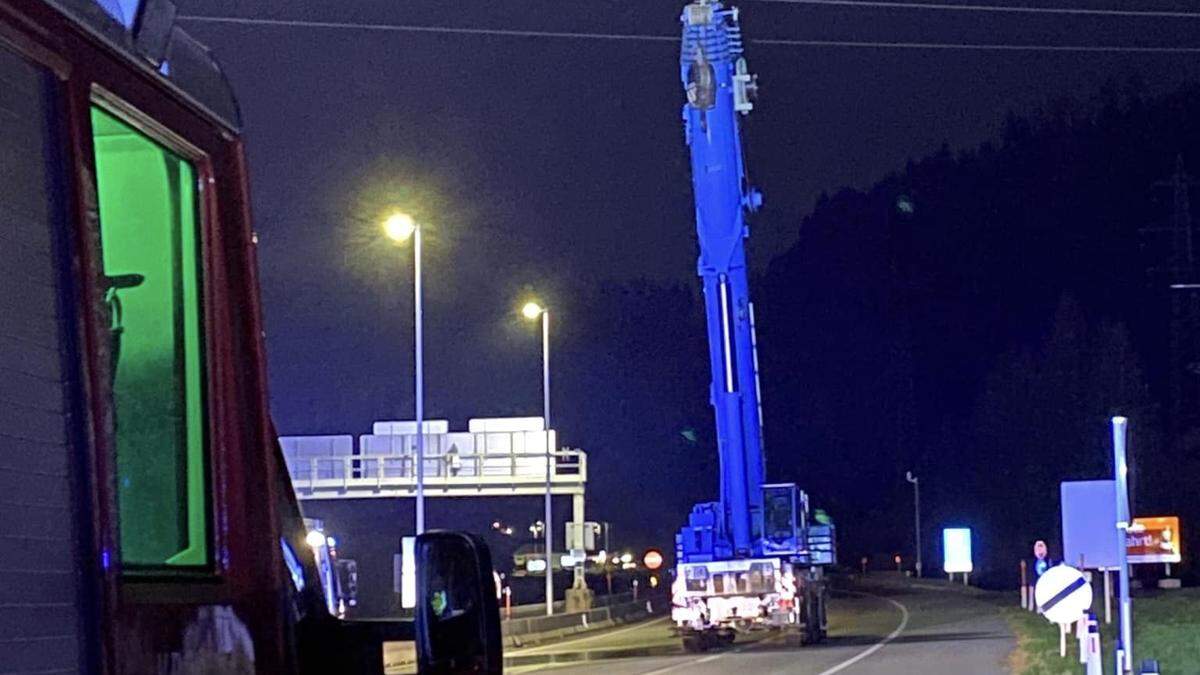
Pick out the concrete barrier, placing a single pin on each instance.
(533, 630)
(560, 606)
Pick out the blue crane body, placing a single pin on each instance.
(709, 63)
(753, 528)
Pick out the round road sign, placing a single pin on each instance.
(653, 559)
(1063, 594)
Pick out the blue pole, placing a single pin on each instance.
(1124, 645)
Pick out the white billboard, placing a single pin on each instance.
(956, 550)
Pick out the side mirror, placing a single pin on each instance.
(458, 620)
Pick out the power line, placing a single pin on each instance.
(999, 9)
(407, 28)
(844, 44)
(970, 46)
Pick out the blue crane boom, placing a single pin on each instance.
(749, 559)
(719, 91)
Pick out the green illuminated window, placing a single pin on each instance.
(150, 239)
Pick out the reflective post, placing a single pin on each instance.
(1024, 585)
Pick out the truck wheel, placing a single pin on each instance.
(695, 644)
(727, 638)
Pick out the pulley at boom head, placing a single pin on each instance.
(712, 39)
(719, 90)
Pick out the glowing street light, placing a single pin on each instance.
(400, 227)
(534, 311)
(314, 539)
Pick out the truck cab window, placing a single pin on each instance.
(150, 241)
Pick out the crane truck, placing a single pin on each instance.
(751, 560)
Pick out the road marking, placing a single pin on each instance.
(596, 636)
(714, 657)
(878, 645)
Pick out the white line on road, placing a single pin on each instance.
(878, 645)
(586, 638)
(713, 657)
(837, 668)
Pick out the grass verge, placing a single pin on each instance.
(1166, 626)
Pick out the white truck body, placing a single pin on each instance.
(735, 594)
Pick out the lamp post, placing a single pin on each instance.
(1124, 643)
(916, 515)
(399, 227)
(533, 311)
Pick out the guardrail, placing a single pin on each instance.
(521, 632)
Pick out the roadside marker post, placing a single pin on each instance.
(1024, 583)
(1081, 633)
(1093, 662)
(1108, 596)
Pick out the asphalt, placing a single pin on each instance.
(877, 626)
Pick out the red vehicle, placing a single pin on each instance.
(148, 523)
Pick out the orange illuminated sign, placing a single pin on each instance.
(653, 559)
(1153, 540)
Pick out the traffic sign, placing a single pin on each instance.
(1089, 517)
(1062, 594)
(653, 559)
(1041, 560)
(1153, 540)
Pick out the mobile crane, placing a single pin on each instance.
(750, 560)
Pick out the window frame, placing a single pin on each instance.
(206, 216)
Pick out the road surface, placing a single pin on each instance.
(886, 627)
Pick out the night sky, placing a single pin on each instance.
(551, 164)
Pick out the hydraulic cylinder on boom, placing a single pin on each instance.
(750, 559)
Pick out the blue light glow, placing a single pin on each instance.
(293, 564)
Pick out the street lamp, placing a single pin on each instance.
(916, 515)
(533, 311)
(315, 539)
(399, 227)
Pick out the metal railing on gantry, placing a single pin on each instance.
(456, 464)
